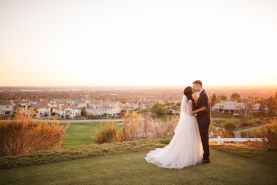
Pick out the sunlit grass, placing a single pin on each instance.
(123, 163)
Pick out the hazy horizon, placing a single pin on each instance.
(146, 86)
(138, 43)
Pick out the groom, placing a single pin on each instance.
(203, 117)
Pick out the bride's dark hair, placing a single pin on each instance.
(188, 92)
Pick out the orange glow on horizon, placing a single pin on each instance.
(138, 43)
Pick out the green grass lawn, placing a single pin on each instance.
(131, 168)
(80, 134)
(222, 121)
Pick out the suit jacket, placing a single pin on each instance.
(203, 117)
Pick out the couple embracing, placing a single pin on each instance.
(190, 143)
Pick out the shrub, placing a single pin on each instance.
(269, 133)
(159, 109)
(230, 126)
(215, 131)
(107, 133)
(120, 136)
(251, 134)
(143, 125)
(22, 136)
(132, 121)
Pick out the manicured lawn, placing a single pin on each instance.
(222, 121)
(131, 168)
(79, 134)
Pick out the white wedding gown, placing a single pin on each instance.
(185, 147)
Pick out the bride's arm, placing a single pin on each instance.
(199, 110)
(193, 112)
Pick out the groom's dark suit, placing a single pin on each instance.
(204, 120)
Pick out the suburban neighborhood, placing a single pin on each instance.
(68, 108)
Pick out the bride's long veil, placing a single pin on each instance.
(184, 107)
(183, 112)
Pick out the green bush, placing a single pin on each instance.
(229, 126)
(159, 109)
(252, 134)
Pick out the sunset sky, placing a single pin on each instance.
(137, 42)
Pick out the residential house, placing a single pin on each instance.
(67, 111)
(80, 103)
(229, 107)
(72, 112)
(42, 109)
(104, 110)
(6, 109)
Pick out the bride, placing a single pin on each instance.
(185, 147)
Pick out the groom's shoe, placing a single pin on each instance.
(205, 161)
